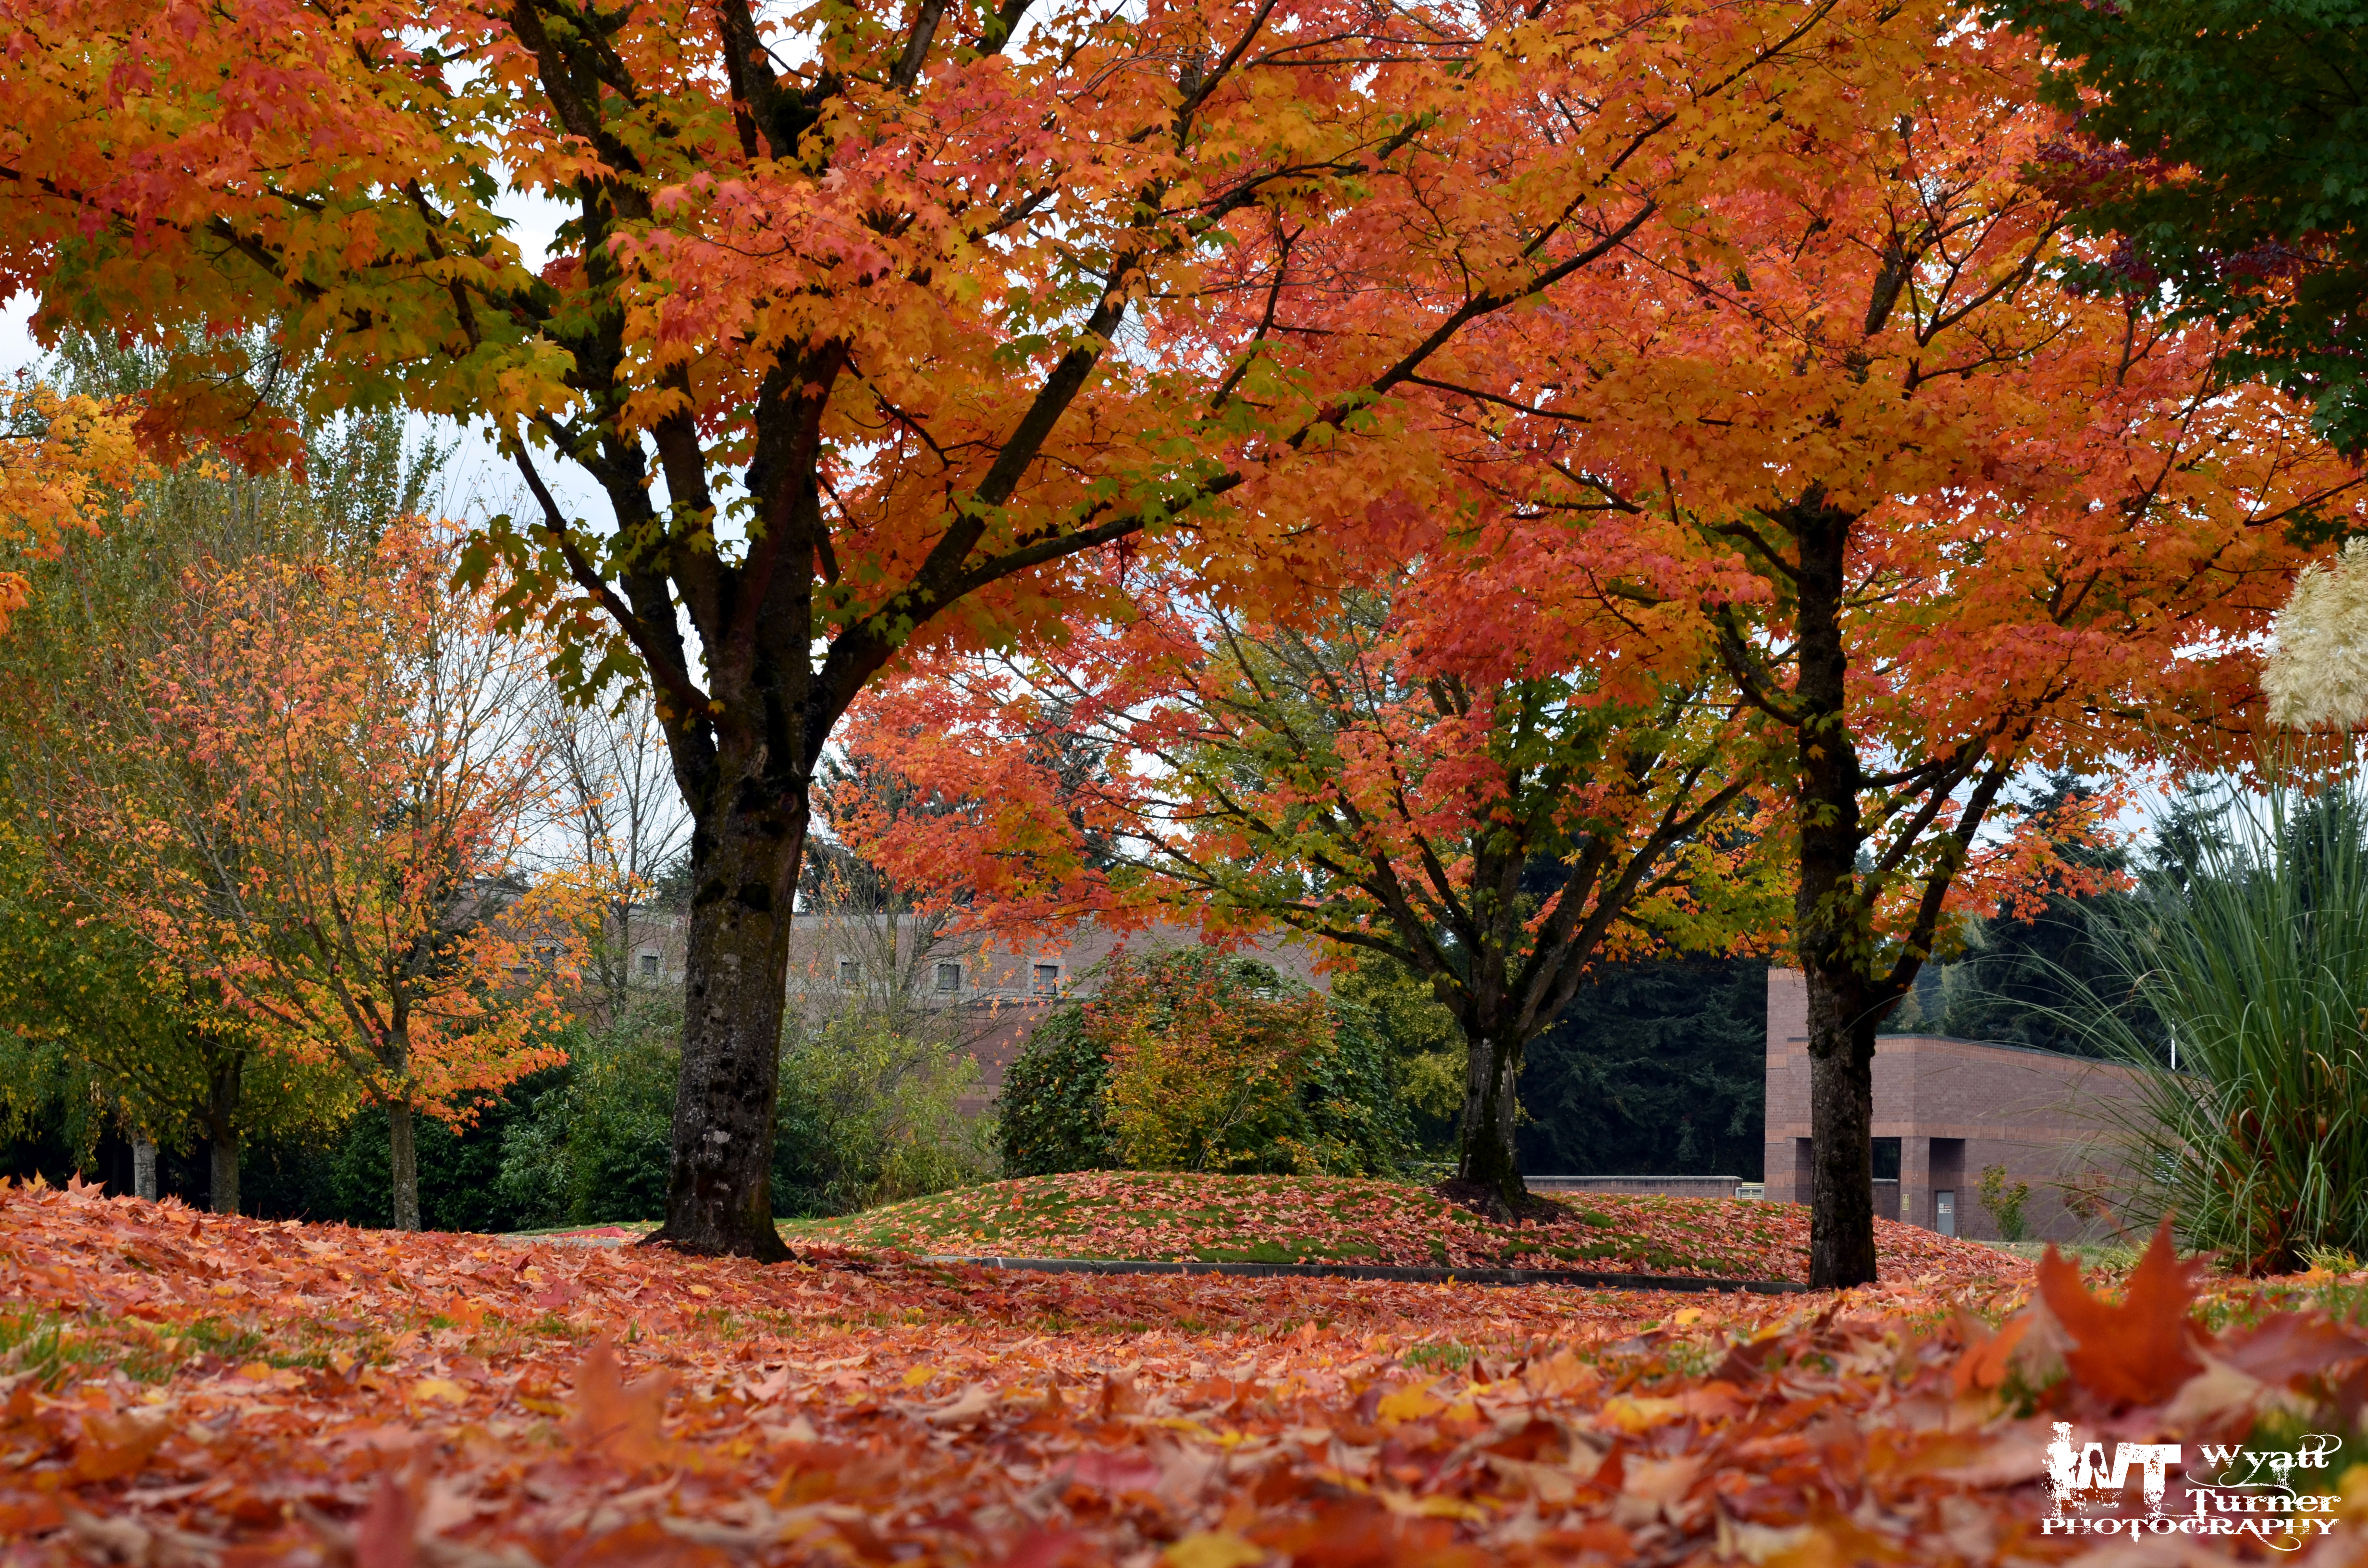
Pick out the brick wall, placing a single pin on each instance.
(1955, 1105)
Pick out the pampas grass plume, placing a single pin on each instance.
(2317, 669)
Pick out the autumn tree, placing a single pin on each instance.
(1960, 515)
(1492, 811)
(96, 1035)
(63, 459)
(100, 1026)
(865, 323)
(318, 805)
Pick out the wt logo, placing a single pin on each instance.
(2078, 1476)
(2248, 1495)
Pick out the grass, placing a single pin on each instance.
(2112, 1259)
(59, 1347)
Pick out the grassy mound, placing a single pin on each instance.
(1171, 1216)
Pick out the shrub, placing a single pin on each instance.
(866, 1115)
(1192, 1060)
(2003, 1203)
(1049, 1119)
(869, 1114)
(2250, 947)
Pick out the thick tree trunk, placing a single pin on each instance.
(1830, 926)
(143, 1168)
(221, 1135)
(1490, 1104)
(403, 1165)
(744, 860)
(1842, 1123)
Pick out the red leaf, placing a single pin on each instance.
(2140, 1351)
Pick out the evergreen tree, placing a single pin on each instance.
(1657, 1068)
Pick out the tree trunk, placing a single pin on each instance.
(1831, 924)
(1841, 1124)
(143, 1168)
(743, 860)
(403, 1164)
(222, 1134)
(1491, 1103)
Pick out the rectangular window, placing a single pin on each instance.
(948, 977)
(849, 973)
(649, 966)
(1944, 1212)
(1887, 1159)
(1048, 980)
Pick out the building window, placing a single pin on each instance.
(948, 977)
(1887, 1159)
(849, 973)
(649, 966)
(1048, 980)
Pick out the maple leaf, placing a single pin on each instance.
(616, 1419)
(386, 1536)
(114, 1447)
(2140, 1351)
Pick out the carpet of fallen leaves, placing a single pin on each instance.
(1212, 1219)
(183, 1388)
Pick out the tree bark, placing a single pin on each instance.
(1841, 1124)
(1831, 924)
(1491, 1085)
(403, 1165)
(221, 1135)
(744, 860)
(143, 1168)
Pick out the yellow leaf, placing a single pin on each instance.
(1213, 1549)
(1407, 1505)
(1631, 1414)
(443, 1389)
(918, 1376)
(1409, 1405)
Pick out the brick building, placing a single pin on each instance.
(1943, 1109)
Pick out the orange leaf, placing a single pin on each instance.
(619, 1420)
(2140, 1351)
(113, 1447)
(1983, 1366)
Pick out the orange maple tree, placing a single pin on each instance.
(1954, 518)
(1492, 791)
(315, 809)
(864, 323)
(63, 459)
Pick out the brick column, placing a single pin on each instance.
(1915, 1181)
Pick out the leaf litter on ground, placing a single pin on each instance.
(1176, 1216)
(183, 1389)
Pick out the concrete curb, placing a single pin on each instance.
(1379, 1271)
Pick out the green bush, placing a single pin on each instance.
(594, 1147)
(2003, 1202)
(460, 1186)
(866, 1115)
(1324, 1101)
(869, 1114)
(1050, 1117)
(2251, 947)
